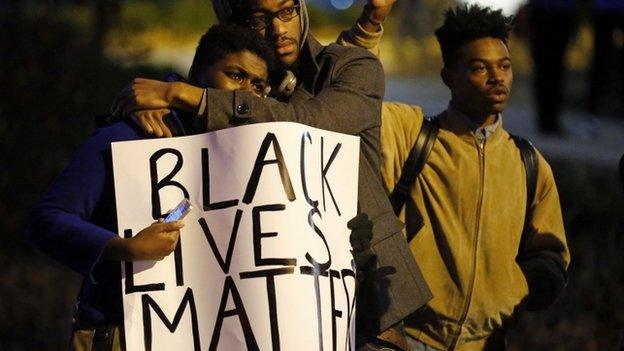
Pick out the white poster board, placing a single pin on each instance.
(264, 262)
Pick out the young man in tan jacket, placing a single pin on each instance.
(467, 208)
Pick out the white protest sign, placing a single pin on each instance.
(264, 263)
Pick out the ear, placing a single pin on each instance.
(447, 77)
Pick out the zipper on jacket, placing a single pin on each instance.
(464, 316)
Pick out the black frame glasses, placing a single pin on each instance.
(262, 21)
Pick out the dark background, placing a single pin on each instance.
(62, 62)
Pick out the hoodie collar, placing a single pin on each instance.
(308, 66)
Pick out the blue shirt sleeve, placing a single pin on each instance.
(76, 217)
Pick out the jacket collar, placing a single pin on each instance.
(461, 125)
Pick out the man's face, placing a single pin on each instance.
(284, 34)
(482, 78)
(238, 71)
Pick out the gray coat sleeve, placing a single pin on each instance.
(349, 102)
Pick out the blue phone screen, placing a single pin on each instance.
(179, 212)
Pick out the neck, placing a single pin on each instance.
(480, 119)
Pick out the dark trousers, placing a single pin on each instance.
(550, 34)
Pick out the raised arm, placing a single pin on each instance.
(368, 30)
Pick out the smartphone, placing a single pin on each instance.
(178, 212)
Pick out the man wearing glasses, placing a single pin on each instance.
(330, 87)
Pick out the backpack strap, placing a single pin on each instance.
(529, 158)
(414, 164)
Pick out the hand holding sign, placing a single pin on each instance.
(156, 241)
(152, 243)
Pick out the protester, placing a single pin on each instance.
(76, 222)
(483, 254)
(337, 89)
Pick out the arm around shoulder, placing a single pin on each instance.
(349, 102)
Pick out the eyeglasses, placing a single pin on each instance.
(259, 22)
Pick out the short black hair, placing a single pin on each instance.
(466, 23)
(224, 39)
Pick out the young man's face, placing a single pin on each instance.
(284, 33)
(482, 78)
(237, 71)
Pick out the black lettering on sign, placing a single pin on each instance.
(254, 179)
(334, 312)
(166, 181)
(177, 259)
(322, 265)
(130, 288)
(239, 310)
(315, 271)
(258, 235)
(304, 183)
(325, 169)
(208, 206)
(224, 264)
(350, 303)
(270, 274)
(149, 304)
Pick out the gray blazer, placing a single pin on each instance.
(348, 85)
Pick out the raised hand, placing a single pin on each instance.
(378, 10)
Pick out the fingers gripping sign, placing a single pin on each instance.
(156, 241)
(160, 239)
